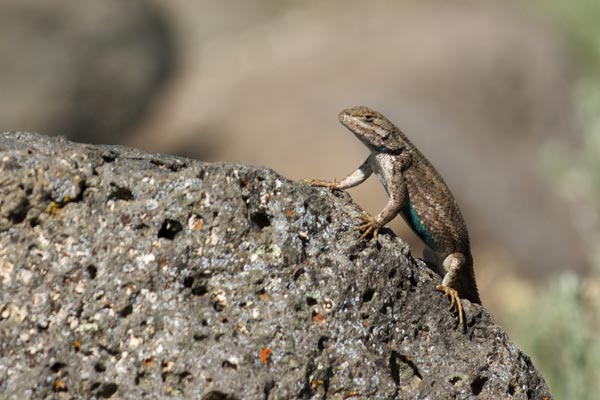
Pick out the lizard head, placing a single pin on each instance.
(373, 129)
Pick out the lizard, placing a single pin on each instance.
(419, 194)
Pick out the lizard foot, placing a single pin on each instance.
(320, 183)
(369, 226)
(454, 301)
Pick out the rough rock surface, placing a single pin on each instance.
(132, 275)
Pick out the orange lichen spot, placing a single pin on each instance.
(352, 393)
(148, 362)
(289, 213)
(77, 345)
(52, 209)
(265, 355)
(545, 398)
(318, 318)
(264, 296)
(162, 262)
(313, 384)
(59, 385)
(197, 225)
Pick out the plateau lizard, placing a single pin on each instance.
(418, 193)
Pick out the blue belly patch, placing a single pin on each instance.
(419, 227)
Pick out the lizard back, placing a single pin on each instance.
(433, 214)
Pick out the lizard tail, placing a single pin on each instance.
(467, 287)
(464, 280)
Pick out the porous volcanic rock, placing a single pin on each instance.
(132, 275)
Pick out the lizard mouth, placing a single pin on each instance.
(343, 117)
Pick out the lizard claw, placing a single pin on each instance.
(320, 183)
(369, 226)
(454, 301)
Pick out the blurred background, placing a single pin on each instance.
(502, 96)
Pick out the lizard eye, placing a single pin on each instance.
(369, 118)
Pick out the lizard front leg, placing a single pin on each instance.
(355, 178)
(453, 264)
(398, 195)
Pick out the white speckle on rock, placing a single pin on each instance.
(7, 269)
(213, 239)
(36, 347)
(87, 327)
(80, 287)
(73, 322)
(150, 296)
(135, 341)
(205, 201)
(13, 313)
(25, 336)
(122, 366)
(219, 297)
(145, 259)
(151, 204)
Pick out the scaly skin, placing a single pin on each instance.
(419, 194)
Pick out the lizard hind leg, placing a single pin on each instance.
(454, 301)
(452, 264)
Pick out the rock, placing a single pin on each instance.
(126, 274)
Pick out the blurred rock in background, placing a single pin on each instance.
(86, 70)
